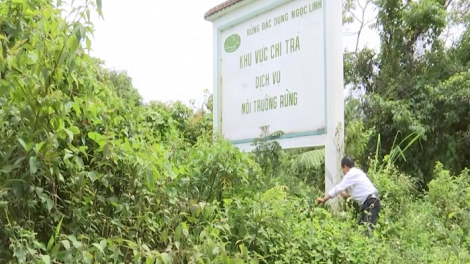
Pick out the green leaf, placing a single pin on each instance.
(68, 156)
(101, 246)
(75, 130)
(73, 43)
(106, 149)
(2, 65)
(45, 74)
(63, 56)
(7, 169)
(39, 245)
(76, 107)
(39, 146)
(76, 244)
(32, 165)
(46, 259)
(166, 258)
(66, 244)
(18, 161)
(150, 260)
(99, 7)
(150, 179)
(69, 134)
(26, 146)
(92, 176)
(98, 138)
(178, 231)
(88, 43)
(49, 204)
(54, 235)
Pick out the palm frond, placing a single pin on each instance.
(310, 160)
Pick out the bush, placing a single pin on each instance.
(91, 175)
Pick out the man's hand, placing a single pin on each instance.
(324, 199)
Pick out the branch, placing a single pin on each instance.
(354, 15)
(448, 4)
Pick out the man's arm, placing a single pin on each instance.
(328, 197)
(343, 185)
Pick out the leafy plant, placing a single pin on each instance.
(90, 174)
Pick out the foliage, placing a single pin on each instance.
(123, 85)
(192, 124)
(267, 152)
(407, 81)
(90, 174)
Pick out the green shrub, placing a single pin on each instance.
(89, 174)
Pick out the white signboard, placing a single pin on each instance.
(272, 71)
(279, 64)
(271, 63)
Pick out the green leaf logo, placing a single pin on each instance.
(232, 43)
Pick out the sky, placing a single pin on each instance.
(166, 46)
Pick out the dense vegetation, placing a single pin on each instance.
(90, 174)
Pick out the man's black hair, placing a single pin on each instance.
(347, 161)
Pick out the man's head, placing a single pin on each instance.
(346, 164)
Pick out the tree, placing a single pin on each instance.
(409, 77)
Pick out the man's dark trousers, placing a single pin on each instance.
(370, 210)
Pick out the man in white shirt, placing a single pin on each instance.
(361, 190)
